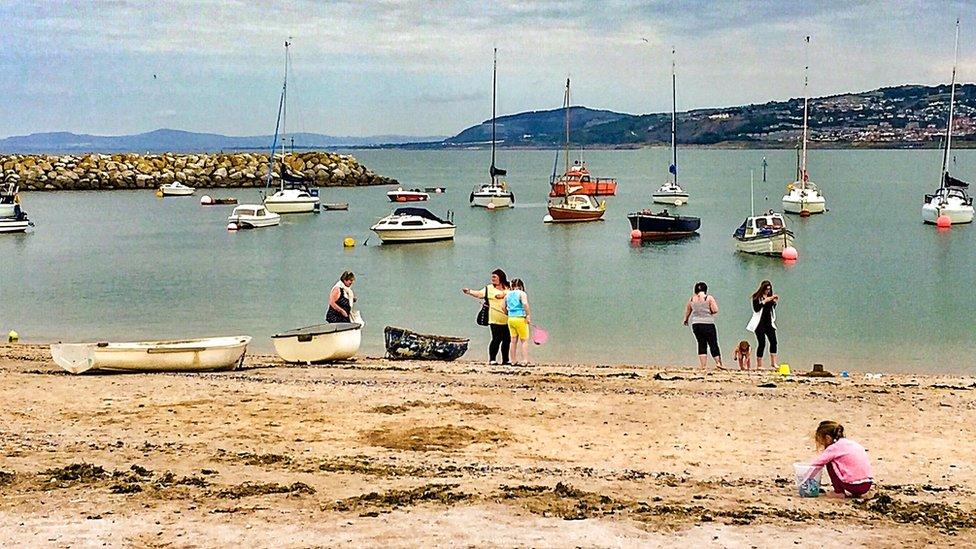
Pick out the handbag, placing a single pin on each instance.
(483, 313)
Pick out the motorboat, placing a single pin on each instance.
(764, 234)
(951, 200)
(176, 189)
(400, 194)
(251, 216)
(16, 224)
(577, 179)
(412, 224)
(575, 208)
(298, 199)
(404, 344)
(802, 196)
(319, 343)
(187, 355)
(494, 193)
(663, 225)
(671, 192)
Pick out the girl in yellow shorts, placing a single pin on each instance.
(519, 319)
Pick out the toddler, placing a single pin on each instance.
(742, 354)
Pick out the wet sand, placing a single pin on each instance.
(383, 453)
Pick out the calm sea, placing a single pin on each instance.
(874, 289)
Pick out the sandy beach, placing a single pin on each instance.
(380, 453)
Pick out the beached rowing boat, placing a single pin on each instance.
(405, 344)
(319, 343)
(187, 355)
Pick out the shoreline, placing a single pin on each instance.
(376, 452)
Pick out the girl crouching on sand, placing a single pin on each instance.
(742, 355)
(846, 461)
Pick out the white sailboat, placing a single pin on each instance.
(495, 193)
(671, 192)
(763, 234)
(950, 200)
(293, 194)
(803, 196)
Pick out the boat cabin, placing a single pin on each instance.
(255, 211)
(944, 194)
(761, 225)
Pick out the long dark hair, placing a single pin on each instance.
(764, 286)
(502, 277)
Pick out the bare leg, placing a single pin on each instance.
(525, 351)
(759, 363)
(772, 357)
(718, 362)
(514, 350)
(703, 361)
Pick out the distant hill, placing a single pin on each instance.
(166, 140)
(910, 115)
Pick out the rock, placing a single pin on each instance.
(220, 173)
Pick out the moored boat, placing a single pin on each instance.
(407, 195)
(9, 200)
(413, 224)
(176, 189)
(803, 197)
(764, 234)
(251, 216)
(403, 344)
(335, 206)
(577, 179)
(319, 343)
(575, 208)
(16, 224)
(495, 192)
(663, 225)
(189, 355)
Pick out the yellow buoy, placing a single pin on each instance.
(159, 194)
(13, 336)
(348, 242)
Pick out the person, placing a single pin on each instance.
(519, 319)
(700, 311)
(763, 322)
(341, 299)
(846, 461)
(497, 319)
(742, 355)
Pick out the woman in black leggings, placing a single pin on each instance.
(700, 311)
(764, 304)
(501, 340)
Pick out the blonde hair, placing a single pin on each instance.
(828, 432)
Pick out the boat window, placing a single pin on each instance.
(413, 223)
(760, 222)
(585, 179)
(778, 223)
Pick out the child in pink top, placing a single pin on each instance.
(846, 461)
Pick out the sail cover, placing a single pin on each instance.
(953, 182)
(290, 177)
(496, 171)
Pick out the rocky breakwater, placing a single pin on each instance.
(133, 171)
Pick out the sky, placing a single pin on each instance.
(378, 67)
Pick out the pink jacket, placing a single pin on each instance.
(850, 461)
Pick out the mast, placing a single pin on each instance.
(566, 104)
(284, 118)
(674, 110)
(752, 193)
(952, 100)
(494, 84)
(806, 99)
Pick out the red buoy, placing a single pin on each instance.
(943, 222)
(635, 234)
(790, 253)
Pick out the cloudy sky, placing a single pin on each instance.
(368, 67)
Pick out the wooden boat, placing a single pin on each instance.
(335, 206)
(663, 225)
(319, 343)
(188, 355)
(403, 344)
(578, 180)
(409, 195)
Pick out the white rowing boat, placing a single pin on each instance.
(319, 343)
(187, 355)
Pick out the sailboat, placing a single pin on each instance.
(802, 196)
(950, 200)
(293, 194)
(495, 193)
(572, 205)
(671, 192)
(763, 234)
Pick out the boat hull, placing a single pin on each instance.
(570, 215)
(957, 214)
(676, 199)
(655, 226)
(253, 222)
(403, 344)
(492, 200)
(319, 343)
(177, 191)
(395, 196)
(772, 244)
(191, 355)
(291, 206)
(14, 225)
(335, 206)
(798, 201)
(415, 235)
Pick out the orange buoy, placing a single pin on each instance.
(943, 222)
(790, 253)
(635, 234)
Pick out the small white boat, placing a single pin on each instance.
(176, 189)
(803, 197)
(950, 199)
(292, 200)
(763, 234)
(670, 193)
(319, 343)
(495, 193)
(250, 216)
(9, 200)
(189, 355)
(407, 195)
(414, 225)
(17, 224)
